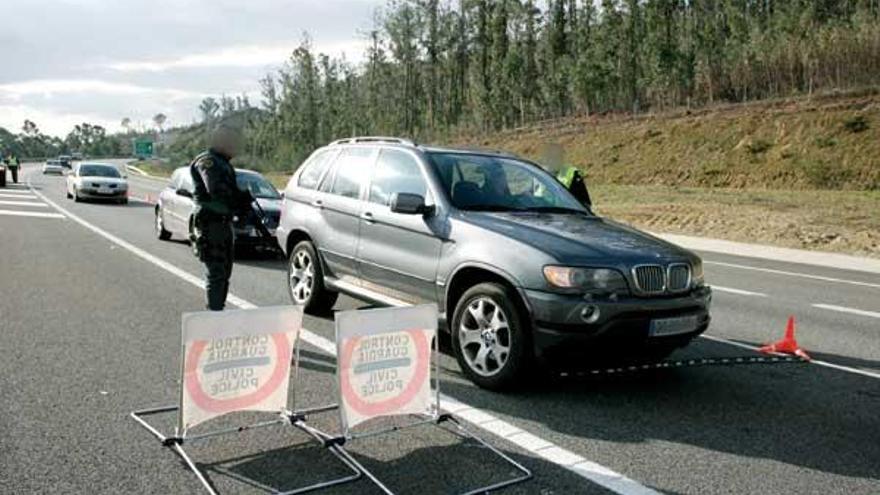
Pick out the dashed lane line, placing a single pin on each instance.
(740, 292)
(17, 196)
(529, 442)
(793, 274)
(37, 214)
(844, 309)
(23, 203)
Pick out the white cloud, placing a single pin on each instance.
(240, 56)
(49, 122)
(51, 87)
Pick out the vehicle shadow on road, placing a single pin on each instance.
(795, 414)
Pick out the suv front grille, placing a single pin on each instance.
(658, 279)
(679, 277)
(650, 279)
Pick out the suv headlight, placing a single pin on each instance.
(697, 273)
(585, 279)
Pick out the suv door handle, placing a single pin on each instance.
(367, 216)
(318, 203)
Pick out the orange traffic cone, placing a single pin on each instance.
(788, 344)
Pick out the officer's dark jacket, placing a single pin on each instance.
(216, 193)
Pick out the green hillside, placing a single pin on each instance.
(808, 143)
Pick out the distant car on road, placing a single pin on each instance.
(174, 208)
(519, 269)
(97, 181)
(53, 166)
(76, 156)
(66, 161)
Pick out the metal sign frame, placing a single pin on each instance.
(434, 418)
(291, 416)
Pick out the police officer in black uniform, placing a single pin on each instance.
(217, 199)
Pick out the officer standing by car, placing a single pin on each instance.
(217, 198)
(13, 167)
(553, 158)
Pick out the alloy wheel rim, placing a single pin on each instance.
(302, 277)
(484, 336)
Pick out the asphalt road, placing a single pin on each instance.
(89, 326)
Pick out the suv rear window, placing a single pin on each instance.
(351, 171)
(314, 169)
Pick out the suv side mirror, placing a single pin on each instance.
(184, 192)
(410, 204)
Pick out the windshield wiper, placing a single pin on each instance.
(555, 209)
(490, 208)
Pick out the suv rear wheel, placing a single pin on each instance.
(305, 280)
(490, 337)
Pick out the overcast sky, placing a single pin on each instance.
(64, 62)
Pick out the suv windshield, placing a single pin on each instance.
(257, 185)
(98, 171)
(494, 183)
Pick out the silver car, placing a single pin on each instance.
(53, 167)
(97, 181)
(174, 207)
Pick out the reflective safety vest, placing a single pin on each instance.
(13, 161)
(566, 175)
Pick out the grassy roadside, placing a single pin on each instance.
(839, 221)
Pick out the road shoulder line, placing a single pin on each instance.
(790, 255)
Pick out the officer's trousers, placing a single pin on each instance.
(217, 252)
(14, 171)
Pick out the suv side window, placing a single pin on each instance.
(396, 172)
(352, 169)
(314, 169)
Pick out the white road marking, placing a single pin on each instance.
(16, 193)
(767, 252)
(793, 274)
(38, 214)
(740, 292)
(844, 309)
(577, 464)
(814, 361)
(23, 203)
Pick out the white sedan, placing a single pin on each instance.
(53, 167)
(97, 181)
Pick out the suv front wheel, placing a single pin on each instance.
(490, 337)
(305, 280)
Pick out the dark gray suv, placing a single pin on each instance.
(523, 274)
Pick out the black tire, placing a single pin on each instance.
(313, 296)
(161, 233)
(76, 197)
(67, 193)
(510, 373)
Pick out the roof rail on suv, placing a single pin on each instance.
(373, 139)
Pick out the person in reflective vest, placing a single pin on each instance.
(553, 157)
(13, 167)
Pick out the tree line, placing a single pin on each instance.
(88, 139)
(435, 66)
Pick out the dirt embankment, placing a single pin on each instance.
(799, 173)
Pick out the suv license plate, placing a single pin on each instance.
(673, 326)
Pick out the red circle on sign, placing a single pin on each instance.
(210, 404)
(410, 391)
